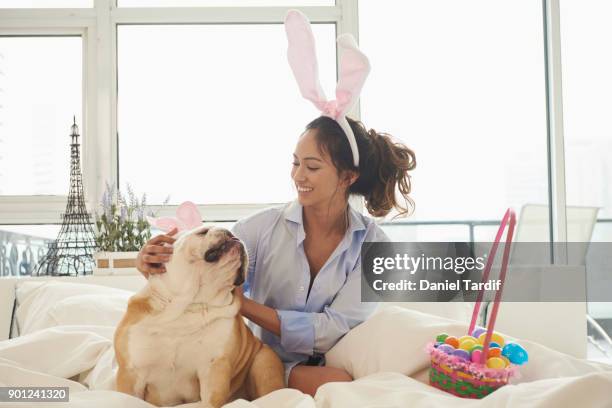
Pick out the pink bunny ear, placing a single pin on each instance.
(188, 215)
(163, 223)
(302, 56)
(354, 69)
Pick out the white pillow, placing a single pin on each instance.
(393, 339)
(93, 309)
(51, 303)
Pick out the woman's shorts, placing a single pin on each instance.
(317, 360)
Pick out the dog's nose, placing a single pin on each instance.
(212, 255)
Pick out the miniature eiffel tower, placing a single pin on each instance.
(71, 253)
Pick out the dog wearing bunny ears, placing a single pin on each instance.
(182, 338)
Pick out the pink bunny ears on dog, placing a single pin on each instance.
(354, 69)
(187, 217)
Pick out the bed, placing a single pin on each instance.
(62, 330)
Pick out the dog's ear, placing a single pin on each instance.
(242, 271)
(240, 275)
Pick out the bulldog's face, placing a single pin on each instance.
(210, 258)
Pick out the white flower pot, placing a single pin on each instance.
(116, 263)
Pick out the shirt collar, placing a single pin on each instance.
(293, 213)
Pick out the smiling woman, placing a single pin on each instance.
(303, 282)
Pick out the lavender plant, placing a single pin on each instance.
(122, 225)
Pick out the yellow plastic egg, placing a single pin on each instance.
(496, 338)
(467, 344)
(466, 338)
(496, 362)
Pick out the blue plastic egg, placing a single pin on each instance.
(515, 353)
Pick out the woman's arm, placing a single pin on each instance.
(261, 315)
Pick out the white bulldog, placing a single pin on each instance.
(183, 338)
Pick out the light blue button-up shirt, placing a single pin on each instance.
(279, 277)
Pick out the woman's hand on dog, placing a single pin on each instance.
(154, 254)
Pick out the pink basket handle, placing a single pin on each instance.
(510, 221)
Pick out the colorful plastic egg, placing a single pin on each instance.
(505, 360)
(496, 337)
(463, 354)
(462, 338)
(476, 347)
(437, 344)
(495, 352)
(495, 362)
(478, 331)
(453, 341)
(467, 344)
(475, 356)
(515, 353)
(446, 348)
(441, 337)
(494, 344)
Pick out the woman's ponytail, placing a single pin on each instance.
(384, 170)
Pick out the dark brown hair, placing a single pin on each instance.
(383, 164)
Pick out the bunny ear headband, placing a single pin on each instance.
(354, 69)
(187, 217)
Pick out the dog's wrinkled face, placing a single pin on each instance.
(211, 255)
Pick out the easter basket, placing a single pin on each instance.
(475, 365)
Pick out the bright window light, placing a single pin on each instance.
(587, 86)
(211, 113)
(40, 91)
(462, 84)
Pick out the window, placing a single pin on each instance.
(211, 113)
(463, 85)
(40, 92)
(587, 86)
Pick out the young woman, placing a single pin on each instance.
(303, 282)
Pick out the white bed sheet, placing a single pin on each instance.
(82, 358)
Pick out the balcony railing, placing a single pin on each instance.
(20, 253)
